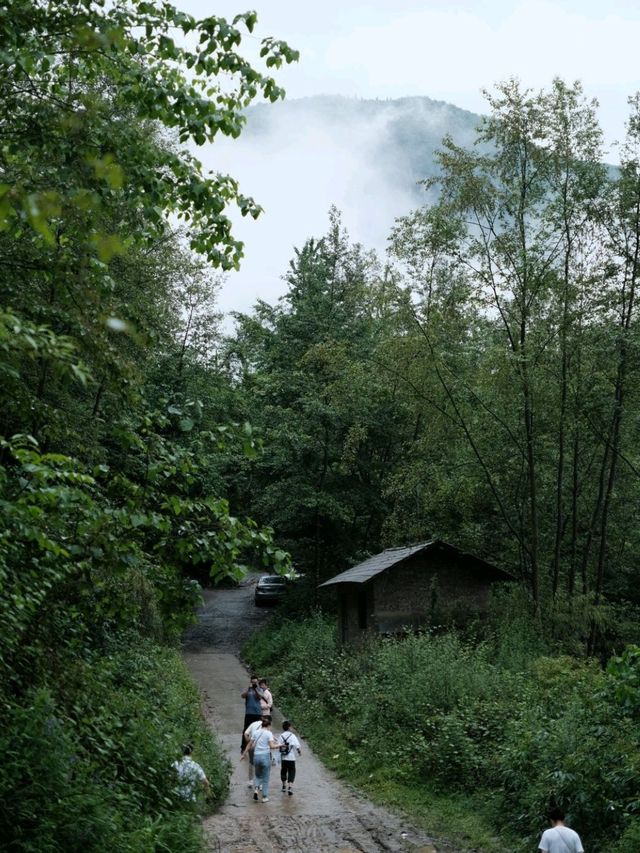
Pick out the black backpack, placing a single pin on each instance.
(285, 748)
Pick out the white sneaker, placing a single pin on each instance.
(265, 799)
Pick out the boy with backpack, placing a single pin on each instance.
(288, 747)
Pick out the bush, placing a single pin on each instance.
(522, 731)
(87, 767)
(570, 747)
(629, 841)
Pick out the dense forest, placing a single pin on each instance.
(479, 384)
(480, 387)
(113, 424)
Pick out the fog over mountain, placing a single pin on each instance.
(298, 157)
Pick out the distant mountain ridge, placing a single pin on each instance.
(301, 156)
(399, 135)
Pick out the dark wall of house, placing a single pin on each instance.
(355, 614)
(430, 588)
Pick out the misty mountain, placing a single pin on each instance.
(299, 157)
(397, 136)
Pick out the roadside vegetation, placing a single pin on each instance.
(87, 755)
(473, 735)
(481, 386)
(111, 500)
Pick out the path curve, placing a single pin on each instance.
(324, 815)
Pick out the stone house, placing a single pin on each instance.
(410, 587)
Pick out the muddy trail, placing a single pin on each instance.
(324, 815)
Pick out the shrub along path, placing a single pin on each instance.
(324, 815)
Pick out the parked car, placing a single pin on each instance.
(269, 589)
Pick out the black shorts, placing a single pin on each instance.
(288, 771)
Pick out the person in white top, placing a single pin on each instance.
(289, 747)
(559, 839)
(262, 742)
(249, 734)
(189, 775)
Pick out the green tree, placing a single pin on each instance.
(531, 241)
(331, 423)
(106, 501)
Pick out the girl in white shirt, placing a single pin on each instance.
(253, 729)
(262, 742)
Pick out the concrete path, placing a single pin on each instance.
(324, 815)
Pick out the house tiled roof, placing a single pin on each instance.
(374, 565)
(363, 572)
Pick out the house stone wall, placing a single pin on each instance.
(435, 586)
(427, 588)
(355, 600)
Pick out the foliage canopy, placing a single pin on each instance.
(110, 504)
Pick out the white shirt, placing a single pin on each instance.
(266, 701)
(189, 774)
(262, 741)
(253, 730)
(288, 738)
(560, 839)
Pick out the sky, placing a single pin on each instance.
(394, 48)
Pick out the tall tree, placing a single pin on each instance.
(331, 422)
(104, 480)
(526, 222)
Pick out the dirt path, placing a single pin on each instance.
(324, 815)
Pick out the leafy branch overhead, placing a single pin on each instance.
(108, 469)
(113, 429)
(75, 72)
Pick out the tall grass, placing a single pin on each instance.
(86, 765)
(498, 720)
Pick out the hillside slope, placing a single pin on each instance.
(399, 136)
